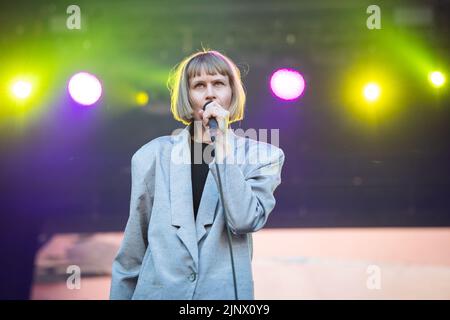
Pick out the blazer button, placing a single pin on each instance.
(192, 277)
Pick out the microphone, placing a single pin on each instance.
(212, 123)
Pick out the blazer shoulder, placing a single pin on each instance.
(150, 150)
(264, 148)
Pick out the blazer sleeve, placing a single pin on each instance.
(248, 198)
(127, 264)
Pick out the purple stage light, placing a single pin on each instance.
(287, 84)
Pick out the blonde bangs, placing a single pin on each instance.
(210, 64)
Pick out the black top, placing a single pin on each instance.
(199, 172)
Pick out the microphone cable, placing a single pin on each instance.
(213, 125)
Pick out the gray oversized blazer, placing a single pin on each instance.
(165, 252)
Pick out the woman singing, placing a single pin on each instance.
(188, 235)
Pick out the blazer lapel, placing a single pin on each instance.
(181, 193)
(190, 232)
(209, 201)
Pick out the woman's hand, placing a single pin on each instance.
(215, 110)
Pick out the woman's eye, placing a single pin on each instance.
(219, 83)
(198, 85)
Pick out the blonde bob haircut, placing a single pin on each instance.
(210, 62)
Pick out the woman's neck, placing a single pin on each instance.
(198, 133)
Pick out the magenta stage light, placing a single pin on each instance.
(85, 88)
(287, 84)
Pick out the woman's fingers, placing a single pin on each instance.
(207, 114)
(214, 110)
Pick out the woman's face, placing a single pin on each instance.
(204, 88)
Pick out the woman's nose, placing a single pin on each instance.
(210, 93)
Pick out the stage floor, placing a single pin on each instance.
(353, 263)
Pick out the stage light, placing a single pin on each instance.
(372, 92)
(142, 98)
(287, 84)
(436, 78)
(85, 88)
(21, 89)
